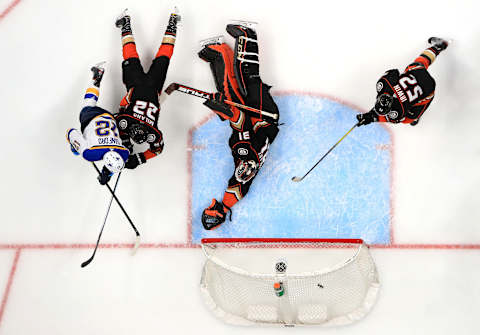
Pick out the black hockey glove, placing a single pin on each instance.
(219, 107)
(135, 160)
(104, 176)
(367, 118)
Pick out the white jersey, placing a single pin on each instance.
(99, 136)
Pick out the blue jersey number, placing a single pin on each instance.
(104, 127)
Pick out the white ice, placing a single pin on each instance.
(50, 201)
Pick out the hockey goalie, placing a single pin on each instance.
(237, 79)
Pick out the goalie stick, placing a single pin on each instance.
(206, 95)
(299, 179)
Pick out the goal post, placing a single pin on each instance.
(248, 281)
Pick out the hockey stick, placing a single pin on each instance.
(298, 179)
(137, 239)
(88, 261)
(206, 95)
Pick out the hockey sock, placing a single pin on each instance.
(91, 95)
(129, 48)
(427, 57)
(168, 42)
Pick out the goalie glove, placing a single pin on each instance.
(135, 160)
(215, 215)
(217, 105)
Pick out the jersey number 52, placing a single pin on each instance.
(104, 127)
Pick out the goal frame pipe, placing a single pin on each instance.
(280, 240)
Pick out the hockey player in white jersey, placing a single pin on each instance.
(98, 138)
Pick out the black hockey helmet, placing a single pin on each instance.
(383, 104)
(138, 133)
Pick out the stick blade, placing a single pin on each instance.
(137, 244)
(172, 87)
(297, 179)
(88, 261)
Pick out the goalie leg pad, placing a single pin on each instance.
(220, 57)
(246, 65)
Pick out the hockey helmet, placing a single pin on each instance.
(383, 104)
(113, 161)
(138, 133)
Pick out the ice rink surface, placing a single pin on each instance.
(52, 207)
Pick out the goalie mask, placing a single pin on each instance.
(245, 171)
(383, 105)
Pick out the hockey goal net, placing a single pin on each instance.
(288, 281)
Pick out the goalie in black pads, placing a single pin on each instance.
(403, 98)
(237, 79)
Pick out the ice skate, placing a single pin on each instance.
(438, 43)
(206, 53)
(212, 40)
(123, 20)
(247, 24)
(98, 71)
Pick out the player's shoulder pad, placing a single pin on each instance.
(391, 76)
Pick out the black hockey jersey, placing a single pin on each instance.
(412, 93)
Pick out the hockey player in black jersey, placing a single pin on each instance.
(140, 108)
(405, 97)
(237, 79)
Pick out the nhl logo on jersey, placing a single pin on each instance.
(151, 138)
(379, 86)
(242, 151)
(393, 115)
(123, 124)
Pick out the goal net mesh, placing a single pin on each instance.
(288, 282)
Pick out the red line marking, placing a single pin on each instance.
(9, 284)
(9, 9)
(195, 246)
(426, 246)
(50, 246)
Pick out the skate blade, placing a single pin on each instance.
(248, 24)
(100, 65)
(179, 17)
(212, 40)
(122, 14)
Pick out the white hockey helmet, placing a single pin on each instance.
(113, 161)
